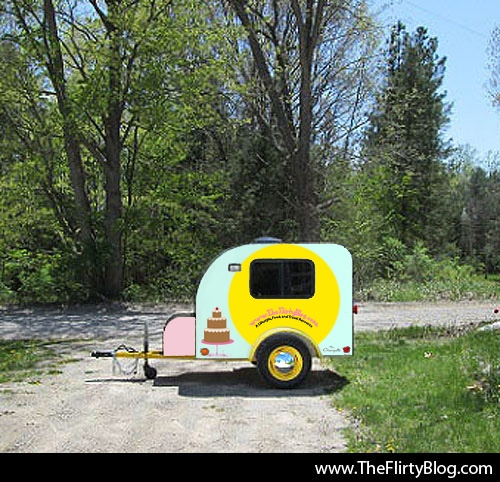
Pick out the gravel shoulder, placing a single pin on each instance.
(192, 406)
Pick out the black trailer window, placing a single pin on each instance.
(282, 278)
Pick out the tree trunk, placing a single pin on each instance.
(81, 221)
(296, 137)
(309, 26)
(113, 268)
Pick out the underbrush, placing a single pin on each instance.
(417, 276)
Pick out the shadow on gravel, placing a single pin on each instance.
(96, 322)
(246, 382)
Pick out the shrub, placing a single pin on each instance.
(417, 276)
(30, 277)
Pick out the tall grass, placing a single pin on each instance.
(422, 390)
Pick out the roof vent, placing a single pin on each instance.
(267, 240)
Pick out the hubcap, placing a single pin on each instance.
(285, 363)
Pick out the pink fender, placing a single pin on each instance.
(179, 335)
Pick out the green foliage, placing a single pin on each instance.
(422, 390)
(30, 277)
(7, 295)
(37, 264)
(403, 145)
(166, 91)
(200, 163)
(259, 182)
(416, 275)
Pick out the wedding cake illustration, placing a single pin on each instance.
(216, 331)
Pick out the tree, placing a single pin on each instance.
(404, 143)
(38, 22)
(309, 59)
(112, 75)
(494, 67)
(480, 210)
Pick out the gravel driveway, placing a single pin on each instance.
(192, 406)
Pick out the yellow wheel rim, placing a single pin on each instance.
(285, 363)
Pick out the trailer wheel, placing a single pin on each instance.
(149, 372)
(283, 361)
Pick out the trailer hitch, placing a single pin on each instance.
(124, 351)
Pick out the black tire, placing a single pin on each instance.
(150, 372)
(283, 360)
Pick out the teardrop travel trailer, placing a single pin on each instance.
(277, 305)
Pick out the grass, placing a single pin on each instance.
(26, 360)
(423, 390)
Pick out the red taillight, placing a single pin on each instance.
(355, 309)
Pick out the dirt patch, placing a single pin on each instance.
(192, 406)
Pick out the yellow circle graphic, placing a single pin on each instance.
(314, 316)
